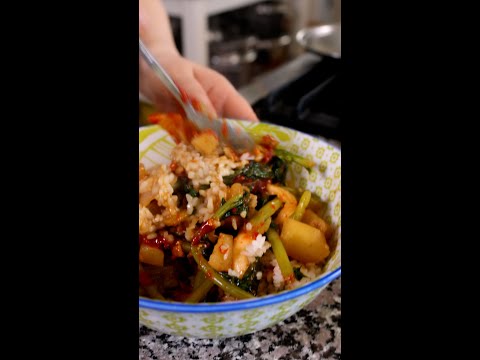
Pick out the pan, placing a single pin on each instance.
(324, 40)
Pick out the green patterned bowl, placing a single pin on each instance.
(221, 320)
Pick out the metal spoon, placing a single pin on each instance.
(228, 132)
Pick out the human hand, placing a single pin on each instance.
(210, 88)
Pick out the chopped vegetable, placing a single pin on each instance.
(279, 168)
(235, 189)
(153, 292)
(240, 206)
(252, 170)
(290, 202)
(185, 246)
(298, 274)
(151, 255)
(263, 227)
(304, 242)
(241, 261)
(196, 251)
(184, 185)
(249, 281)
(206, 143)
(199, 293)
(209, 246)
(290, 157)
(312, 219)
(230, 204)
(281, 255)
(198, 279)
(265, 212)
(222, 255)
(214, 276)
(275, 170)
(255, 170)
(302, 205)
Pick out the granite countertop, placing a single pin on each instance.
(313, 333)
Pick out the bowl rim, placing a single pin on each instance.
(326, 141)
(172, 306)
(238, 305)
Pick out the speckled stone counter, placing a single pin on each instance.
(313, 333)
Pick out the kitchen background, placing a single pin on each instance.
(253, 44)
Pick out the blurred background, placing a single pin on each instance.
(253, 44)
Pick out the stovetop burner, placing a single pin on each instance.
(309, 103)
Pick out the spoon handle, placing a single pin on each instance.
(166, 79)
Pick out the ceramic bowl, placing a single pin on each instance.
(222, 320)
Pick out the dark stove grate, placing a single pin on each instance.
(310, 103)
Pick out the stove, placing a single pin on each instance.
(303, 94)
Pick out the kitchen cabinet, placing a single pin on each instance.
(194, 23)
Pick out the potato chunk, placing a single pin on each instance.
(303, 242)
(222, 255)
(206, 143)
(312, 219)
(151, 255)
(235, 189)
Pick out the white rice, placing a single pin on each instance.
(157, 184)
(192, 202)
(247, 156)
(190, 230)
(278, 280)
(145, 217)
(256, 248)
(205, 170)
(310, 272)
(232, 272)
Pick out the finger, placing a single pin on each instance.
(225, 99)
(162, 99)
(154, 89)
(188, 84)
(238, 107)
